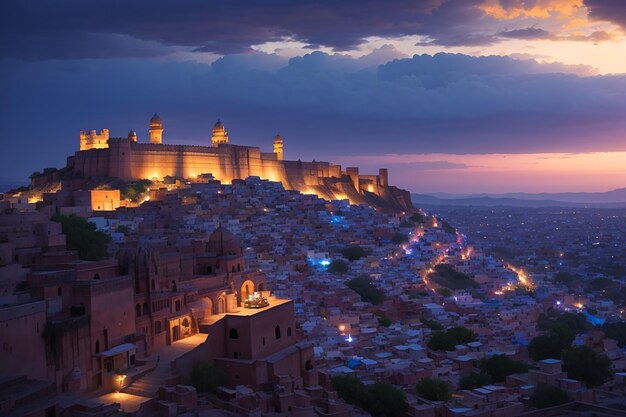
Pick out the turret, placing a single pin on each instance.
(278, 147)
(94, 140)
(132, 136)
(219, 134)
(156, 129)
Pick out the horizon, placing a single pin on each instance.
(469, 82)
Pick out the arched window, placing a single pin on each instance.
(308, 365)
(233, 268)
(157, 327)
(152, 285)
(238, 268)
(97, 346)
(138, 310)
(96, 276)
(233, 334)
(277, 332)
(59, 291)
(263, 340)
(146, 309)
(288, 331)
(177, 305)
(209, 269)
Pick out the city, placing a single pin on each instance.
(286, 256)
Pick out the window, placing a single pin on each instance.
(238, 268)
(59, 291)
(209, 269)
(277, 332)
(97, 346)
(233, 334)
(152, 285)
(177, 305)
(263, 340)
(146, 309)
(138, 310)
(157, 327)
(288, 331)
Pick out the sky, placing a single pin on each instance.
(454, 96)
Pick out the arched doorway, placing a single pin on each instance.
(176, 333)
(221, 305)
(247, 288)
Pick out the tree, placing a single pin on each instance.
(82, 236)
(462, 335)
(355, 252)
(383, 399)
(551, 345)
(384, 321)
(500, 366)
(207, 378)
(442, 341)
(474, 380)
(616, 331)
(366, 289)
(433, 389)
(337, 266)
(548, 396)
(444, 292)
(379, 399)
(432, 324)
(585, 364)
(417, 218)
(399, 238)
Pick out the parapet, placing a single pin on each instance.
(94, 140)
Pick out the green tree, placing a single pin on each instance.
(462, 335)
(474, 380)
(444, 292)
(399, 238)
(207, 378)
(417, 218)
(355, 252)
(432, 324)
(585, 364)
(500, 366)
(441, 341)
(548, 396)
(384, 321)
(337, 266)
(616, 331)
(82, 236)
(382, 399)
(550, 345)
(369, 292)
(379, 399)
(433, 389)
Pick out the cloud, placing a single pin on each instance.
(322, 105)
(526, 33)
(607, 10)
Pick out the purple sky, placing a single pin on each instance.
(338, 80)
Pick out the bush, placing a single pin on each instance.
(417, 218)
(83, 237)
(366, 289)
(444, 292)
(432, 324)
(548, 396)
(134, 191)
(498, 367)
(207, 378)
(433, 389)
(474, 380)
(337, 266)
(355, 252)
(585, 364)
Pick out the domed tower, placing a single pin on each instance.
(219, 134)
(227, 248)
(132, 136)
(278, 147)
(156, 129)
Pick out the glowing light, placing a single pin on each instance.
(349, 338)
(325, 262)
(342, 328)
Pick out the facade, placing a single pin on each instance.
(127, 159)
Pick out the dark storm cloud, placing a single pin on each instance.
(88, 29)
(608, 10)
(321, 104)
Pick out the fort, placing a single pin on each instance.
(127, 159)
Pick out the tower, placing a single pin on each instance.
(219, 134)
(156, 129)
(278, 147)
(132, 136)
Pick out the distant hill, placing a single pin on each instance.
(609, 199)
(7, 184)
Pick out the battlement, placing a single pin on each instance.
(94, 140)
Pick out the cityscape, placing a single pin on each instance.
(403, 209)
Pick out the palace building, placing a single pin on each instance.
(128, 159)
